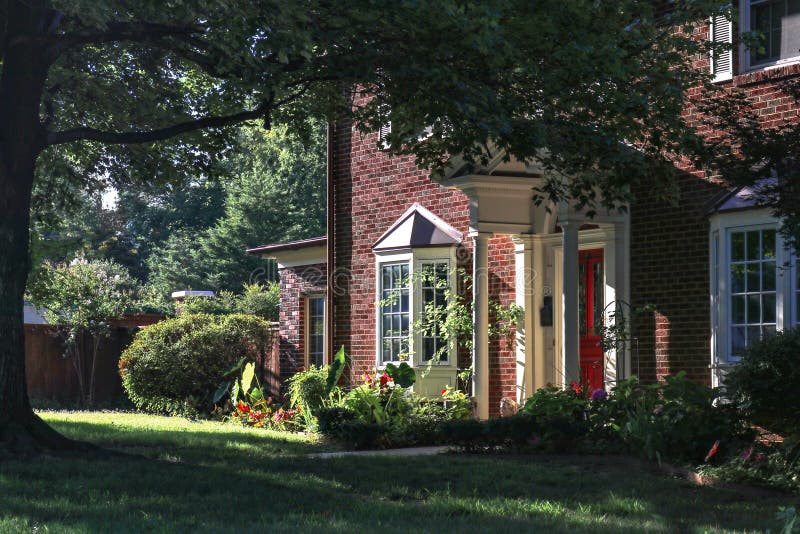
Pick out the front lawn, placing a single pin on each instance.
(186, 476)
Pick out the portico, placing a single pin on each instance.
(563, 302)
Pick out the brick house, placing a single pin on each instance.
(713, 270)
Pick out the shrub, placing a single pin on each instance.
(176, 365)
(764, 383)
(308, 389)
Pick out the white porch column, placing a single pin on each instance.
(571, 330)
(622, 293)
(537, 350)
(480, 319)
(525, 274)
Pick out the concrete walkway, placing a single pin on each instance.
(410, 451)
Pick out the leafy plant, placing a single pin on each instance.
(402, 375)
(335, 370)
(764, 383)
(177, 365)
(308, 389)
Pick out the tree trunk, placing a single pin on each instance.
(24, 70)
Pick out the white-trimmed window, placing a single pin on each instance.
(778, 24)
(394, 311)
(315, 330)
(754, 290)
(409, 285)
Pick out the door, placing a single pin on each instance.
(591, 302)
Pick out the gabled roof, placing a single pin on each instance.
(742, 198)
(418, 228)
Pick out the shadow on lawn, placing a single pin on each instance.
(204, 481)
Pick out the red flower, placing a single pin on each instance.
(384, 379)
(243, 407)
(444, 391)
(576, 388)
(713, 451)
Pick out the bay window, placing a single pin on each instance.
(754, 282)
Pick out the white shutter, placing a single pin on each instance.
(383, 135)
(721, 31)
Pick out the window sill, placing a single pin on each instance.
(765, 74)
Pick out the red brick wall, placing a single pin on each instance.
(670, 251)
(371, 192)
(296, 284)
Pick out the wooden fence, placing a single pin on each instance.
(52, 377)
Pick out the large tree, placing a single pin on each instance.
(125, 91)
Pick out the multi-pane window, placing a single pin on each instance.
(777, 24)
(315, 331)
(752, 278)
(434, 285)
(394, 312)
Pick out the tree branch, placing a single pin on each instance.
(159, 134)
(122, 31)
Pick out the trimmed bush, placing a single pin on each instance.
(764, 383)
(175, 366)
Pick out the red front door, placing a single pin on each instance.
(591, 304)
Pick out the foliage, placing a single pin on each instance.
(83, 297)
(678, 419)
(251, 404)
(774, 465)
(403, 375)
(308, 389)
(381, 413)
(451, 319)
(176, 365)
(764, 382)
(335, 370)
(256, 299)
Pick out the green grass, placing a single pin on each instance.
(208, 477)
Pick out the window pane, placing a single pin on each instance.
(737, 309)
(737, 246)
(753, 334)
(753, 277)
(768, 281)
(753, 309)
(737, 278)
(769, 308)
(768, 242)
(737, 340)
(599, 286)
(753, 245)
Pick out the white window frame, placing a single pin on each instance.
(722, 227)
(307, 324)
(744, 52)
(414, 259)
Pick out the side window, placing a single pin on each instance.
(752, 280)
(434, 284)
(395, 315)
(315, 330)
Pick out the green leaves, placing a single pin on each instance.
(336, 369)
(403, 375)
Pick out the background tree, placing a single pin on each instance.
(276, 193)
(136, 92)
(82, 298)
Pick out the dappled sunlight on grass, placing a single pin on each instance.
(210, 477)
